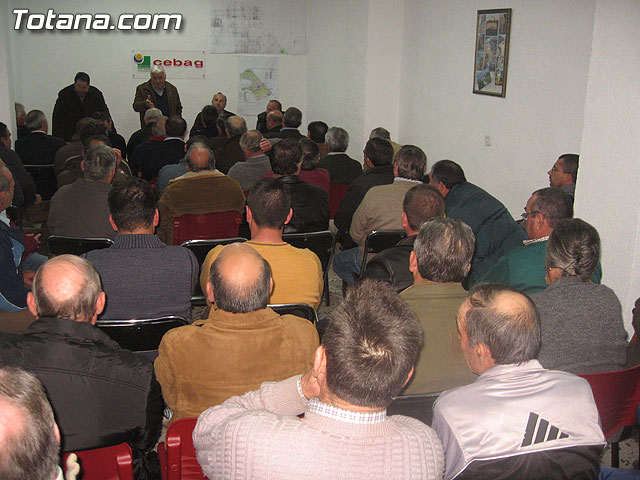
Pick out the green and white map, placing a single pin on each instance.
(257, 83)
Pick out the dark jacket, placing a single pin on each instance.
(228, 154)
(101, 394)
(310, 205)
(381, 175)
(392, 265)
(342, 168)
(12, 287)
(261, 122)
(286, 132)
(495, 230)
(38, 148)
(69, 109)
(157, 156)
(20, 174)
(138, 137)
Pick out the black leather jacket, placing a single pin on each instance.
(392, 265)
(310, 205)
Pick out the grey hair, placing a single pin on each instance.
(338, 139)
(34, 119)
(30, 452)
(157, 69)
(82, 306)
(236, 125)
(380, 132)
(18, 107)
(411, 162)
(251, 141)
(152, 114)
(99, 162)
(443, 249)
(211, 165)
(574, 248)
(159, 126)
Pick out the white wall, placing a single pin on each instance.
(606, 194)
(47, 61)
(542, 114)
(6, 104)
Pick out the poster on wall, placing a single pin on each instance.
(492, 52)
(258, 27)
(176, 63)
(257, 83)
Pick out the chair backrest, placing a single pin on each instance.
(59, 244)
(298, 309)
(140, 335)
(416, 406)
(617, 395)
(337, 191)
(177, 454)
(107, 463)
(321, 243)
(200, 249)
(379, 240)
(206, 225)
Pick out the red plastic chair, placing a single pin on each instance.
(203, 226)
(336, 194)
(177, 454)
(617, 395)
(107, 463)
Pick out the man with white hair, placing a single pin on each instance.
(101, 394)
(81, 209)
(157, 93)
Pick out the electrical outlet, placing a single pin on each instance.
(487, 140)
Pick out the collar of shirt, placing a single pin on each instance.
(335, 153)
(535, 240)
(173, 138)
(404, 179)
(4, 218)
(336, 413)
(159, 92)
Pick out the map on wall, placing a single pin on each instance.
(258, 27)
(257, 83)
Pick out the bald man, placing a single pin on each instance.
(241, 345)
(101, 394)
(514, 421)
(203, 189)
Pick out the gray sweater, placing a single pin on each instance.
(144, 278)
(582, 328)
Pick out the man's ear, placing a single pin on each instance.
(409, 376)
(395, 169)
(484, 355)
(405, 222)
(289, 216)
(270, 286)
(319, 362)
(249, 214)
(156, 218)
(113, 224)
(413, 262)
(31, 303)
(442, 188)
(82, 164)
(209, 291)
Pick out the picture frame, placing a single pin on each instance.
(492, 52)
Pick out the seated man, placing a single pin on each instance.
(38, 148)
(203, 189)
(368, 353)
(142, 277)
(297, 272)
(175, 170)
(70, 156)
(421, 203)
(227, 149)
(342, 168)
(523, 266)
(261, 123)
(310, 203)
(158, 134)
(495, 230)
(564, 172)
(80, 209)
(29, 434)
(381, 209)
(13, 162)
(440, 260)
(101, 395)
(142, 135)
(169, 151)
(209, 115)
(517, 420)
(378, 155)
(317, 132)
(291, 120)
(274, 121)
(256, 163)
(242, 344)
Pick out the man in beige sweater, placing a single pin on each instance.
(368, 353)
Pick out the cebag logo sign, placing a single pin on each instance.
(176, 63)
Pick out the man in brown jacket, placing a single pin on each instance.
(243, 344)
(157, 93)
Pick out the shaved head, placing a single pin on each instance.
(67, 287)
(240, 279)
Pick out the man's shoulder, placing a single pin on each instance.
(301, 254)
(67, 92)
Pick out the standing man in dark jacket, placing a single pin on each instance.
(310, 203)
(157, 93)
(495, 230)
(76, 101)
(101, 395)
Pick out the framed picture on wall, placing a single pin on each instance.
(492, 52)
